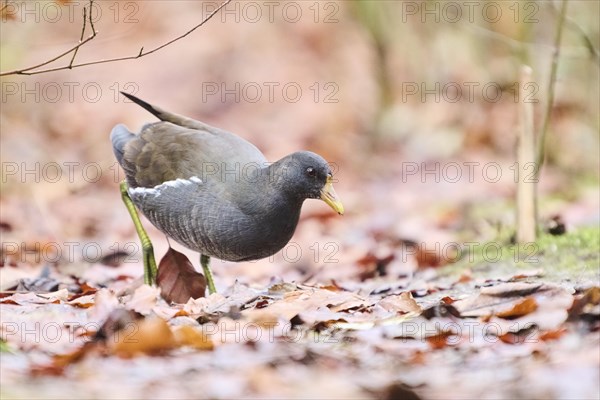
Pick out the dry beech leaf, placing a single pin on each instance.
(465, 277)
(192, 337)
(83, 302)
(36, 298)
(332, 287)
(439, 341)
(590, 297)
(41, 284)
(86, 290)
(374, 264)
(524, 307)
(178, 280)
(62, 361)
(553, 334)
(127, 334)
(441, 310)
(427, 258)
(144, 299)
(527, 274)
(402, 303)
(527, 335)
(147, 336)
(266, 320)
(512, 289)
(181, 313)
(118, 319)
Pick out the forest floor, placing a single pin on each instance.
(524, 325)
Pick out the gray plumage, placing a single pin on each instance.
(213, 191)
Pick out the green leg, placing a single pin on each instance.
(205, 262)
(150, 269)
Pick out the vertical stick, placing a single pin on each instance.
(541, 151)
(526, 169)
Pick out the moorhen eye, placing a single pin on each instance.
(311, 171)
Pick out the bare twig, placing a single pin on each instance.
(526, 183)
(541, 147)
(25, 71)
(82, 32)
(141, 53)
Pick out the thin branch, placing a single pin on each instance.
(141, 53)
(82, 32)
(541, 147)
(24, 71)
(61, 55)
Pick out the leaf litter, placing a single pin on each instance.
(312, 329)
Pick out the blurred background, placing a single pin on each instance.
(416, 104)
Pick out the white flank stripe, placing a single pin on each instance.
(156, 190)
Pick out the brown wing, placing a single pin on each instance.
(179, 147)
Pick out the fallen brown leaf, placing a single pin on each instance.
(61, 361)
(37, 298)
(148, 336)
(373, 265)
(439, 341)
(522, 336)
(333, 287)
(85, 290)
(465, 277)
(178, 280)
(192, 337)
(511, 289)
(441, 310)
(526, 275)
(553, 335)
(524, 307)
(116, 320)
(82, 305)
(590, 297)
(182, 313)
(144, 299)
(402, 303)
(427, 258)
